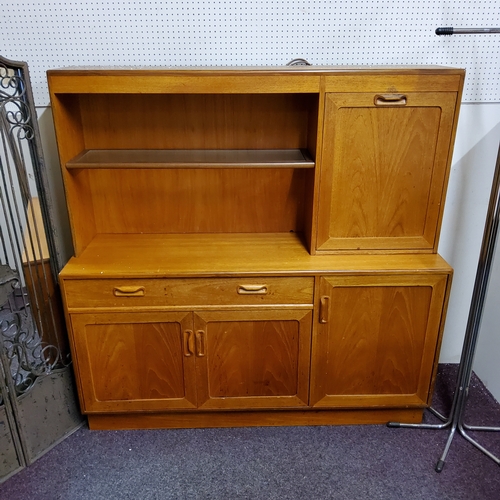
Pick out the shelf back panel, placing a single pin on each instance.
(198, 200)
(166, 121)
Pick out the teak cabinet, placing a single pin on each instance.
(255, 246)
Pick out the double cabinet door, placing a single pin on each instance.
(229, 359)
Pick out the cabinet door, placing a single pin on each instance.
(377, 340)
(384, 171)
(134, 361)
(253, 358)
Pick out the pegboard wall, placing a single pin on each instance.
(52, 34)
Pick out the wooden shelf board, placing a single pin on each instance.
(234, 254)
(196, 158)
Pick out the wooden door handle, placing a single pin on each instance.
(252, 289)
(200, 343)
(129, 291)
(188, 343)
(390, 100)
(324, 309)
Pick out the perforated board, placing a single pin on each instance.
(51, 34)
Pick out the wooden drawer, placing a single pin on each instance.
(187, 292)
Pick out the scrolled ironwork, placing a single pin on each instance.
(28, 335)
(28, 356)
(34, 353)
(11, 84)
(13, 92)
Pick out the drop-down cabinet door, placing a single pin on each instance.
(384, 171)
(134, 361)
(376, 340)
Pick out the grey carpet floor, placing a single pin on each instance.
(327, 462)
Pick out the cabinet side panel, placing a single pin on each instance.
(312, 178)
(70, 142)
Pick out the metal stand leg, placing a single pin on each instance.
(455, 421)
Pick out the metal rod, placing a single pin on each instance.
(466, 31)
(457, 411)
(456, 417)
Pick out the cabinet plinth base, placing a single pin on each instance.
(187, 420)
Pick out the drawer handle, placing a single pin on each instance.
(200, 343)
(390, 100)
(252, 289)
(129, 291)
(188, 343)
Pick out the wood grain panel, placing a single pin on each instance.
(182, 80)
(200, 121)
(377, 339)
(383, 172)
(172, 293)
(70, 141)
(388, 183)
(253, 359)
(399, 81)
(198, 200)
(204, 419)
(378, 345)
(136, 361)
(129, 362)
(191, 255)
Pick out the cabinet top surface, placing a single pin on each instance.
(192, 255)
(242, 70)
(266, 79)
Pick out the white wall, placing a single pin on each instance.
(474, 160)
(61, 220)
(487, 360)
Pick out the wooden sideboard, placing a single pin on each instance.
(255, 246)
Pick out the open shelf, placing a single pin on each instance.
(197, 158)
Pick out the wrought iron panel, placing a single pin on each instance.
(37, 387)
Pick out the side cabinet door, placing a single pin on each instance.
(253, 358)
(134, 361)
(384, 170)
(377, 340)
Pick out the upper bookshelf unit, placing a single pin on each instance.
(356, 159)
